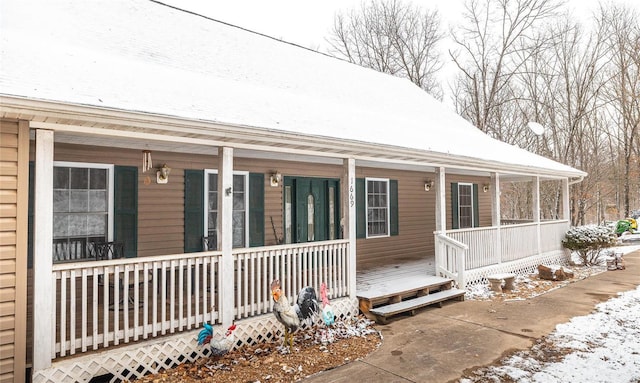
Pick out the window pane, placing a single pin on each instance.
(238, 229)
(78, 201)
(98, 179)
(213, 200)
(97, 200)
(60, 178)
(96, 224)
(213, 221)
(79, 178)
(213, 182)
(238, 201)
(60, 200)
(77, 225)
(238, 183)
(60, 225)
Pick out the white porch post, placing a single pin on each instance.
(495, 212)
(536, 208)
(566, 213)
(441, 212)
(441, 200)
(225, 236)
(44, 316)
(349, 217)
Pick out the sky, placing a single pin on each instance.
(309, 22)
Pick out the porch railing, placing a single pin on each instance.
(106, 303)
(450, 258)
(492, 245)
(296, 266)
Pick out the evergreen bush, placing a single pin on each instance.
(588, 241)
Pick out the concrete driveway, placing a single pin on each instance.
(438, 344)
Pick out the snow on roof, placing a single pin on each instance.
(138, 55)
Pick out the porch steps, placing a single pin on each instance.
(393, 297)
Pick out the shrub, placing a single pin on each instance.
(588, 241)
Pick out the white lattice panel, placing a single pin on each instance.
(522, 266)
(147, 357)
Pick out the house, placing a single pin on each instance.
(281, 162)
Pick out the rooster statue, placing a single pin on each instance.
(328, 316)
(292, 317)
(219, 345)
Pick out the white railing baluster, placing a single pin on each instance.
(143, 298)
(85, 293)
(63, 313)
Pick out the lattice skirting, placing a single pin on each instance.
(151, 356)
(528, 265)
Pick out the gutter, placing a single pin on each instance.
(580, 179)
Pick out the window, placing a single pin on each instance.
(240, 203)
(464, 205)
(377, 192)
(82, 208)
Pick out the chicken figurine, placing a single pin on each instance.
(290, 316)
(328, 317)
(218, 345)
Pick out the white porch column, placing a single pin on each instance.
(349, 218)
(44, 296)
(441, 212)
(441, 200)
(225, 235)
(495, 213)
(566, 213)
(536, 208)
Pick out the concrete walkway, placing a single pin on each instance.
(438, 344)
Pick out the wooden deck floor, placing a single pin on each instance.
(389, 277)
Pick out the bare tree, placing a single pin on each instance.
(391, 37)
(494, 43)
(623, 31)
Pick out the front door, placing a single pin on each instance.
(311, 209)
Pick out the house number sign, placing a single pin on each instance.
(352, 197)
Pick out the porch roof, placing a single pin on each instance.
(141, 69)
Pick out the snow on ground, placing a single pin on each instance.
(529, 286)
(603, 346)
(599, 347)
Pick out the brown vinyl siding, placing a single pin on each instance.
(416, 221)
(161, 211)
(14, 173)
(160, 206)
(484, 199)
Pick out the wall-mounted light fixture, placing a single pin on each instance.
(485, 188)
(428, 184)
(162, 175)
(275, 179)
(228, 191)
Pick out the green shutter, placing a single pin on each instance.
(30, 216)
(193, 210)
(393, 206)
(455, 221)
(476, 213)
(125, 220)
(256, 209)
(361, 209)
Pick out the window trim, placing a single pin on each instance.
(387, 182)
(473, 223)
(110, 187)
(245, 175)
